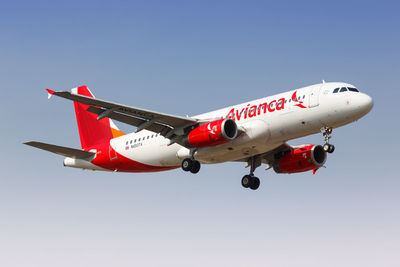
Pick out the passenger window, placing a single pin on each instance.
(304, 96)
(139, 139)
(148, 137)
(343, 89)
(353, 89)
(130, 142)
(336, 90)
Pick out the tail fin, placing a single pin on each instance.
(91, 130)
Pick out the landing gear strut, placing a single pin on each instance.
(326, 131)
(249, 180)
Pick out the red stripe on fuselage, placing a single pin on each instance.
(121, 163)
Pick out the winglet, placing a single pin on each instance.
(314, 171)
(50, 93)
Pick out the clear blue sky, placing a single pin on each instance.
(189, 57)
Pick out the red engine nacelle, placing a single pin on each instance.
(302, 159)
(213, 133)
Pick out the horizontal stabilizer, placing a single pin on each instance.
(61, 150)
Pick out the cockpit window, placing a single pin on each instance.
(353, 89)
(345, 89)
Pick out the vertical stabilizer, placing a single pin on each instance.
(91, 130)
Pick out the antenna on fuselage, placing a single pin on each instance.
(323, 81)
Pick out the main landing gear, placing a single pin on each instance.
(326, 131)
(249, 180)
(190, 164)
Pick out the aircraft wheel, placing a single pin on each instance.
(255, 183)
(187, 164)
(246, 180)
(331, 148)
(195, 166)
(326, 147)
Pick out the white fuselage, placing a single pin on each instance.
(263, 128)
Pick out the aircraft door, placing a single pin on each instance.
(314, 96)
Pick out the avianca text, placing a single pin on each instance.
(256, 110)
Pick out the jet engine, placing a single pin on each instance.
(306, 158)
(212, 133)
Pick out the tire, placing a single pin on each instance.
(331, 148)
(255, 183)
(326, 147)
(195, 166)
(187, 164)
(246, 180)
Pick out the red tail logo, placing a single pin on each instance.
(92, 131)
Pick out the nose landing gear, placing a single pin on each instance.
(326, 131)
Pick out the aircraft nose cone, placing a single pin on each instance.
(368, 102)
(365, 103)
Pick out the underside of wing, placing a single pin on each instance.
(138, 117)
(140, 123)
(61, 150)
(269, 156)
(290, 159)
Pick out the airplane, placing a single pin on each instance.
(254, 132)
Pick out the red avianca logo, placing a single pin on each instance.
(256, 110)
(295, 99)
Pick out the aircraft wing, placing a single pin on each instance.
(165, 124)
(269, 157)
(61, 150)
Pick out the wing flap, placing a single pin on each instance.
(61, 150)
